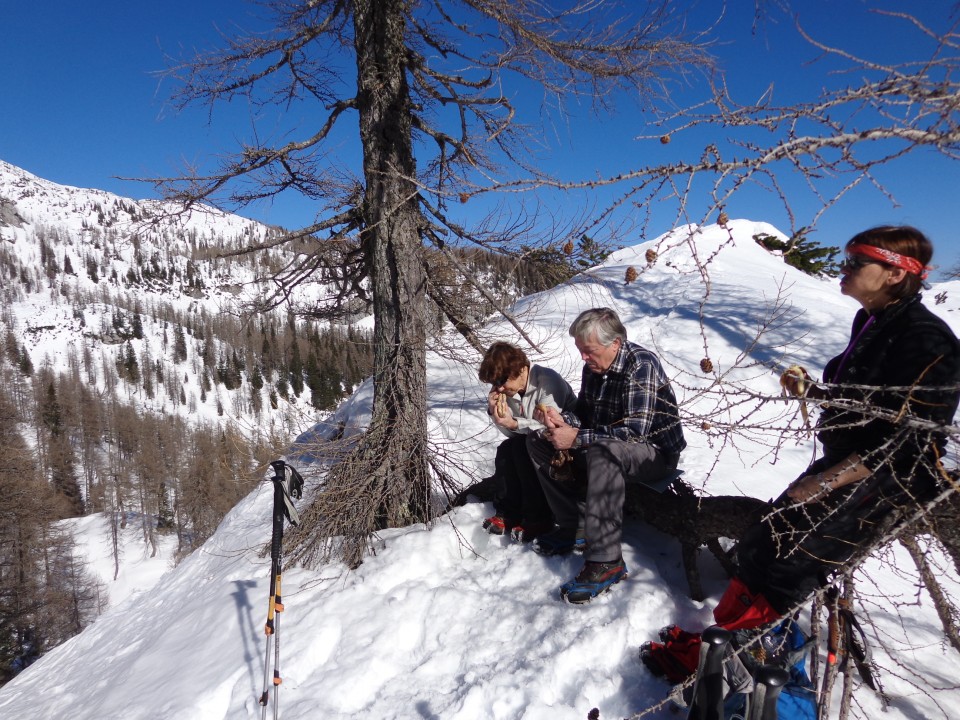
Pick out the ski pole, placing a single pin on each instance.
(270, 629)
(770, 681)
(283, 492)
(708, 693)
(834, 649)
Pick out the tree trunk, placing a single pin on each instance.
(391, 233)
(386, 481)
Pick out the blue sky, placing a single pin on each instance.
(83, 106)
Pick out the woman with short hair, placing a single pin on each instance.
(517, 388)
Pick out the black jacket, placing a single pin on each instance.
(901, 346)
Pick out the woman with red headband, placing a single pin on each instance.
(886, 398)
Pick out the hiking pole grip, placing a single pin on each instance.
(770, 681)
(708, 698)
(279, 476)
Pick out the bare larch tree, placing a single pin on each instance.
(436, 121)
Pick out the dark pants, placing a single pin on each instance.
(593, 501)
(793, 551)
(522, 497)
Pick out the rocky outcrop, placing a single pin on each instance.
(9, 217)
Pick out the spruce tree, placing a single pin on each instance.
(296, 369)
(59, 454)
(806, 255)
(25, 365)
(137, 326)
(130, 364)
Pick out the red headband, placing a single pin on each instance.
(911, 265)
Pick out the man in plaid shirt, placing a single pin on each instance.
(625, 428)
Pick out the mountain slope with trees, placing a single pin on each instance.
(143, 379)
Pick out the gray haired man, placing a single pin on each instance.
(625, 428)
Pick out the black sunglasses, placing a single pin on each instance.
(500, 381)
(855, 262)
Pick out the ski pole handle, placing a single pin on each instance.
(278, 513)
(708, 700)
(770, 681)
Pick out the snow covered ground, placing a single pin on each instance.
(450, 622)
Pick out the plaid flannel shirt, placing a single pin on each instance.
(632, 401)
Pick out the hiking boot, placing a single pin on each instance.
(674, 659)
(648, 656)
(666, 634)
(674, 633)
(560, 541)
(499, 525)
(594, 579)
(529, 531)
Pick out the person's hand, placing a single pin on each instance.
(562, 437)
(560, 434)
(493, 402)
(499, 411)
(807, 487)
(549, 416)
